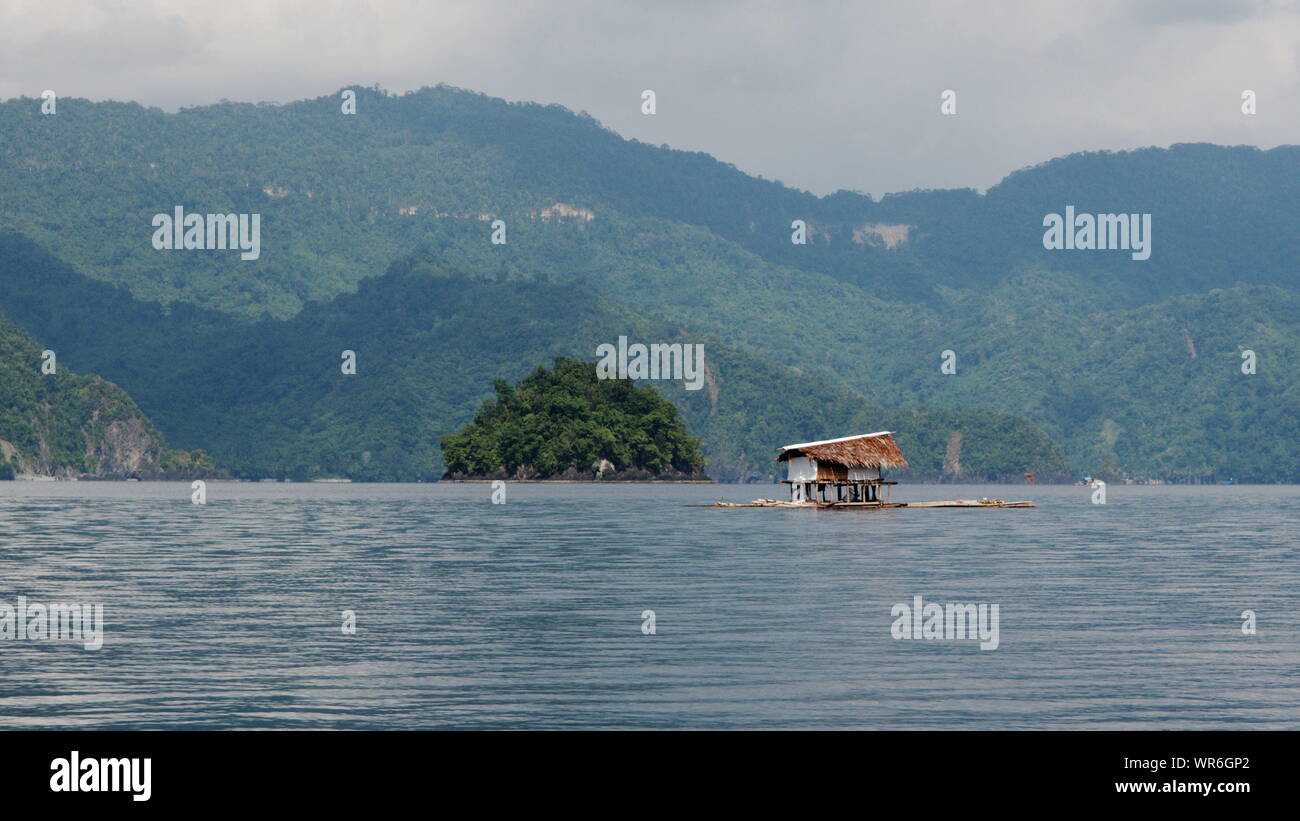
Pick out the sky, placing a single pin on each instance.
(819, 95)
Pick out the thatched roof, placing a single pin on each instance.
(868, 450)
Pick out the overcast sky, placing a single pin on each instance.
(820, 95)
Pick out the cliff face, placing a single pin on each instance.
(125, 446)
(68, 425)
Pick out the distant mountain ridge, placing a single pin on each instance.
(1090, 346)
(412, 169)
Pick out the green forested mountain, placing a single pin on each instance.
(268, 398)
(431, 166)
(61, 423)
(1131, 367)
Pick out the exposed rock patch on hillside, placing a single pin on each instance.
(72, 426)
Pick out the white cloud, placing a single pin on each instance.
(820, 95)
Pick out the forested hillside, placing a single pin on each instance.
(568, 423)
(1132, 368)
(426, 166)
(54, 422)
(269, 398)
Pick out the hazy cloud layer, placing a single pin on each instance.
(819, 95)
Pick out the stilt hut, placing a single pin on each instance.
(846, 471)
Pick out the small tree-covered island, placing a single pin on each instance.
(567, 424)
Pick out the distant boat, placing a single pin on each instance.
(1229, 482)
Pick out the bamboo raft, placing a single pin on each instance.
(981, 503)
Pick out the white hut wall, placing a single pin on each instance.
(801, 469)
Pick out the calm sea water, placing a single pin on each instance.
(528, 614)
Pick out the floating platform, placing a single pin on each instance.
(854, 505)
(971, 503)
